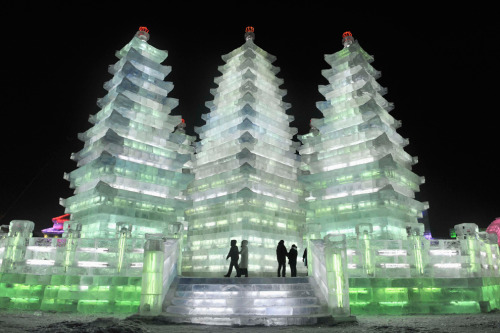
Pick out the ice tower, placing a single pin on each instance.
(245, 168)
(354, 162)
(132, 166)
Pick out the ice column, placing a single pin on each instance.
(467, 233)
(336, 272)
(124, 231)
(415, 238)
(364, 232)
(72, 233)
(152, 276)
(20, 231)
(312, 231)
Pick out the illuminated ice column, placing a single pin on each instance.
(20, 232)
(72, 232)
(176, 231)
(336, 274)
(312, 231)
(123, 231)
(415, 233)
(364, 233)
(152, 276)
(467, 233)
(490, 244)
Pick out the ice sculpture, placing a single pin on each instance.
(57, 228)
(245, 168)
(494, 228)
(354, 164)
(132, 168)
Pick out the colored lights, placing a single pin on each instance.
(346, 34)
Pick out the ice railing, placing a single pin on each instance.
(74, 256)
(21, 253)
(327, 264)
(472, 254)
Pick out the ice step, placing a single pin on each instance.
(243, 280)
(244, 287)
(255, 311)
(245, 294)
(244, 320)
(246, 302)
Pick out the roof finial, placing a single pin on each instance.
(347, 39)
(142, 34)
(249, 33)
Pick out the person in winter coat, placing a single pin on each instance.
(234, 255)
(292, 260)
(304, 257)
(281, 254)
(244, 258)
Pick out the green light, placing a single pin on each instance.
(393, 303)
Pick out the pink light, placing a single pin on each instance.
(494, 228)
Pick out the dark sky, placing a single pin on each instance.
(440, 68)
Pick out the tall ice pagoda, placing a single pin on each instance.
(132, 166)
(245, 168)
(355, 166)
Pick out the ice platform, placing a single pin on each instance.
(263, 301)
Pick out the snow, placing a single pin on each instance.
(14, 322)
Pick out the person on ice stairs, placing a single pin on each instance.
(281, 255)
(244, 258)
(234, 255)
(292, 260)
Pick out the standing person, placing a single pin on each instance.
(281, 254)
(244, 258)
(304, 259)
(234, 255)
(292, 260)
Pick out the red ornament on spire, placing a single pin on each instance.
(347, 39)
(143, 34)
(249, 33)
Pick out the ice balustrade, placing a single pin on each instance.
(82, 275)
(474, 255)
(327, 264)
(157, 278)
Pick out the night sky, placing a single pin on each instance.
(440, 69)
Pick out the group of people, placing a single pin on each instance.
(281, 255)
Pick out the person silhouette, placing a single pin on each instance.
(244, 258)
(292, 260)
(234, 255)
(281, 255)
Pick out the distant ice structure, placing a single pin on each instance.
(57, 229)
(494, 228)
(353, 160)
(245, 169)
(134, 164)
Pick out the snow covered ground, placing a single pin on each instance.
(13, 322)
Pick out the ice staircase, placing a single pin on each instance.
(245, 301)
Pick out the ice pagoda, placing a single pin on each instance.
(245, 168)
(354, 164)
(132, 168)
